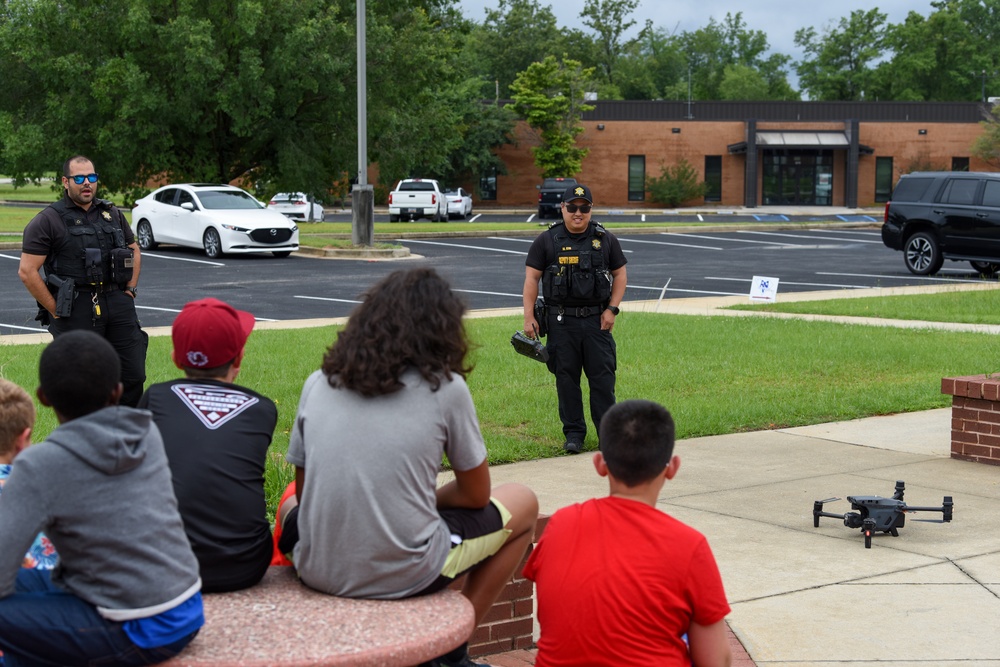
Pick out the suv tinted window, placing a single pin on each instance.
(991, 194)
(911, 189)
(960, 191)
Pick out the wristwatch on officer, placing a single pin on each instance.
(614, 309)
(132, 290)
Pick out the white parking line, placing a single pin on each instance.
(717, 238)
(787, 282)
(182, 259)
(882, 276)
(861, 232)
(800, 236)
(162, 310)
(324, 298)
(686, 291)
(14, 326)
(679, 245)
(459, 245)
(475, 291)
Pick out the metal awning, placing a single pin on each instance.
(799, 139)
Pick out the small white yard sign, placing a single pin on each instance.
(763, 289)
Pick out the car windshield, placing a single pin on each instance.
(227, 199)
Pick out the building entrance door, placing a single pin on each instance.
(798, 177)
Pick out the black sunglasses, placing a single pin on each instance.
(80, 178)
(582, 208)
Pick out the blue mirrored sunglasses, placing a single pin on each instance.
(80, 178)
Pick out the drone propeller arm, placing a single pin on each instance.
(945, 509)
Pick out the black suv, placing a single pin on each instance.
(550, 194)
(939, 215)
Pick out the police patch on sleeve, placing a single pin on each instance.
(212, 405)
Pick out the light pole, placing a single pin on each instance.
(363, 195)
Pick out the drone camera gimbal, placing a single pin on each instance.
(878, 514)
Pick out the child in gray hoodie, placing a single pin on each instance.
(126, 589)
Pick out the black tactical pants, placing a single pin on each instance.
(119, 324)
(579, 344)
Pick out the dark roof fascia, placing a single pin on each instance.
(886, 112)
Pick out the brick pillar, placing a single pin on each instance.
(975, 417)
(510, 623)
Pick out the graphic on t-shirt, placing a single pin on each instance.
(214, 406)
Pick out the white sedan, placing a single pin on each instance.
(459, 203)
(297, 206)
(219, 218)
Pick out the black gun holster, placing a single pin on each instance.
(64, 291)
(542, 317)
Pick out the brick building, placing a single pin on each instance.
(754, 153)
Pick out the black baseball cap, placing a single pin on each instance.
(578, 191)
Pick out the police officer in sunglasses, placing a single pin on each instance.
(80, 261)
(581, 268)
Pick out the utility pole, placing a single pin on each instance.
(362, 194)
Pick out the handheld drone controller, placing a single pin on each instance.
(529, 347)
(878, 514)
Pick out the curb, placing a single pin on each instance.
(355, 253)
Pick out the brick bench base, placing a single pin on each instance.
(975, 417)
(282, 623)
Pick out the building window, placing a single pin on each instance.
(713, 178)
(883, 178)
(488, 185)
(636, 177)
(960, 164)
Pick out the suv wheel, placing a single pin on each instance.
(922, 254)
(986, 268)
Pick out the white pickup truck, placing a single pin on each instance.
(418, 198)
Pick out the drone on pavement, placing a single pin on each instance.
(878, 514)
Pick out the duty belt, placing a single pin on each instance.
(99, 288)
(580, 311)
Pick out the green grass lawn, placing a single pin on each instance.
(716, 374)
(971, 307)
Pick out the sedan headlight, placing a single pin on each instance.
(234, 228)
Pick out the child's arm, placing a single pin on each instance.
(710, 645)
(470, 489)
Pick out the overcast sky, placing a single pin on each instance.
(779, 19)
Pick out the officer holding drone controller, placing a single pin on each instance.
(581, 267)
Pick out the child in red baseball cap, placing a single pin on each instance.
(216, 434)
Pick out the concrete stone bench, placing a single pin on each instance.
(283, 623)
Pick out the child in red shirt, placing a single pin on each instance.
(620, 582)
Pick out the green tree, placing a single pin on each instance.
(610, 20)
(224, 90)
(549, 96)
(839, 65)
(512, 36)
(180, 90)
(711, 49)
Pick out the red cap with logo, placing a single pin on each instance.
(209, 333)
